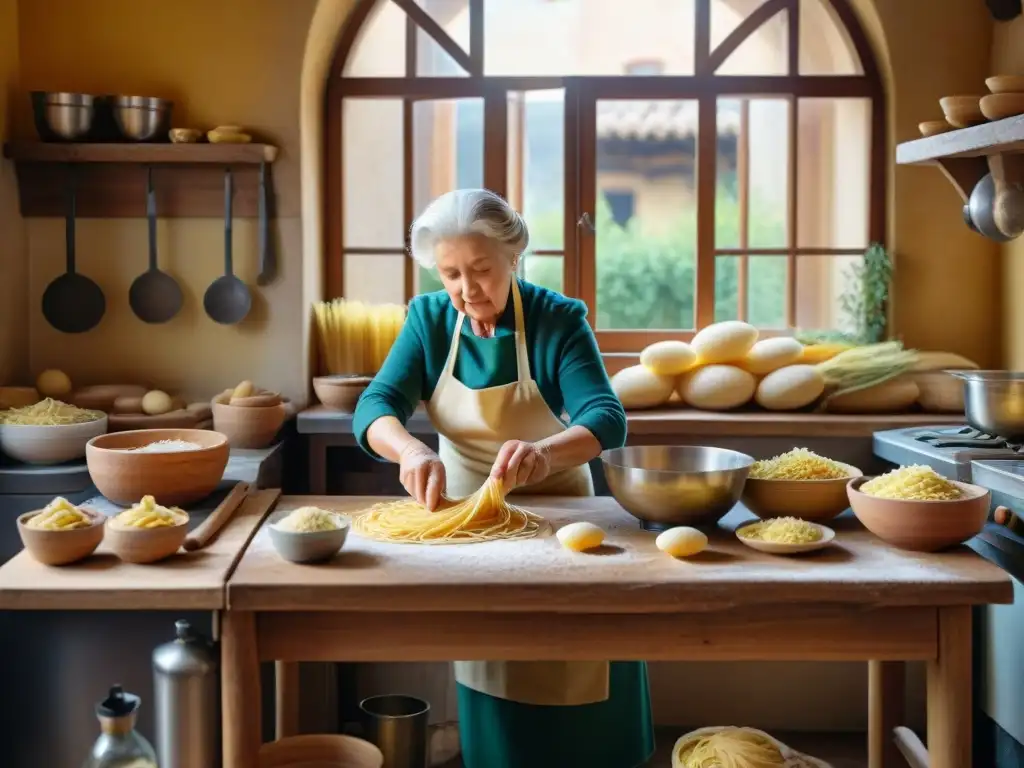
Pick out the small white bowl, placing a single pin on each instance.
(775, 548)
(312, 547)
(35, 444)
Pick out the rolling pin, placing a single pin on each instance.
(207, 529)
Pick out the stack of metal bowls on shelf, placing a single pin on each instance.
(63, 116)
(668, 485)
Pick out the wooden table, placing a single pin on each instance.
(858, 600)
(185, 581)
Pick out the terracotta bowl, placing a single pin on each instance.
(124, 476)
(340, 392)
(962, 111)
(61, 547)
(812, 500)
(934, 127)
(922, 526)
(145, 545)
(34, 444)
(1005, 83)
(997, 106)
(320, 750)
(249, 426)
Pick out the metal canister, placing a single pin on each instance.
(187, 695)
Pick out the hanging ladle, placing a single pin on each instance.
(155, 296)
(73, 303)
(227, 300)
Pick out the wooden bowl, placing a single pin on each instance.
(921, 526)
(124, 476)
(145, 545)
(35, 444)
(340, 392)
(321, 750)
(249, 427)
(61, 547)
(962, 111)
(811, 500)
(934, 127)
(998, 106)
(1005, 83)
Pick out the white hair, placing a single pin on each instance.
(467, 212)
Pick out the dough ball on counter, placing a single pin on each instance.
(668, 358)
(156, 402)
(53, 383)
(580, 536)
(769, 355)
(639, 387)
(681, 541)
(717, 388)
(790, 388)
(724, 342)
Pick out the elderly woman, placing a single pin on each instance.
(497, 360)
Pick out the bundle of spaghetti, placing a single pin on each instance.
(484, 516)
(49, 413)
(727, 748)
(354, 337)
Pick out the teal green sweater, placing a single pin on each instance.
(564, 361)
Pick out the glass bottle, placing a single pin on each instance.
(119, 744)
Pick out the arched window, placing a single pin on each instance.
(678, 161)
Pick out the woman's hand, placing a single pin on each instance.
(520, 463)
(422, 474)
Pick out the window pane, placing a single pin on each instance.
(826, 286)
(373, 176)
(448, 153)
(452, 16)
(536, 164)
(375, 278)
(825, 45)
(834, 163)
(646, 214)
(586, 37)
(544, 270)
(727, 289)
(379, 50)
(766, 292)
(754, 163)
(765, 52)
(434, 61)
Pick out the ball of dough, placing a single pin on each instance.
(668, 358)
(581, 536)
(717, 388)
(790, 388)
(724, 342)
(639, 387)
(681, 541)
(245, 389)
(769, 355)
(53, 383)
(156, 402)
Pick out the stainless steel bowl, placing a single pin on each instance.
(664, 486)
(142, 118)
(994, 402)
(67, 116)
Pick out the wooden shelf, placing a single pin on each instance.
(111, 178)
(964, 156)
(149, 154)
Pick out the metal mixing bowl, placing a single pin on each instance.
(664, 486)
(59, 115)
(142, 118)
(994, 402)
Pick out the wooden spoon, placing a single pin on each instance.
(209, 528)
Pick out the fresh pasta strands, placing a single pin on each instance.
(727, 748)
(484, 516)
(49, 413)
(355, 338)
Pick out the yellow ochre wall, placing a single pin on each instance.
(224, 62)
(1008, 59)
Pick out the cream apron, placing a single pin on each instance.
(472, 425)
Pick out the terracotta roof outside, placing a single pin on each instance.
(661, 120)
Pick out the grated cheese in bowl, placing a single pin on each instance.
(782, 530)
(798, 464)
(916, 482)
(310, 520)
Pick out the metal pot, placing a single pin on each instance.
(994, 402)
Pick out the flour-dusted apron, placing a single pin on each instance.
(472, 425)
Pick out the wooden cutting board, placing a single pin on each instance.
(194, 416)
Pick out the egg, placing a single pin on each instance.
(53, 383)
(681, 542)
(156, 402)
(581, 536)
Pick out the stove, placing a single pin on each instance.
(947, 450)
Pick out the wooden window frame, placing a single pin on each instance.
(704, 87)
